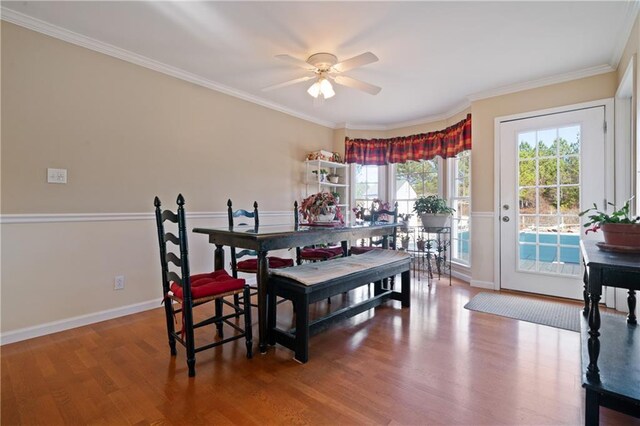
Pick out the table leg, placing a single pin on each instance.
(592, 409)
(631, 301)
(593, 344)
(262, 277)
(585, 293)
(218, 258)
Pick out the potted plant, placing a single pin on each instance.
(320, 207)
(333, 177)
(404, 241)
(420, 242)
(618, 228)
(336, 195)
(433, 211)
(322, 173)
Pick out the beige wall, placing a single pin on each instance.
(125, 134)
(118, 127)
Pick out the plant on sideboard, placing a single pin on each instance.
(618, 227)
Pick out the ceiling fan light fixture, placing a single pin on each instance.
(314, 90)
(326, 88)
(321, 87)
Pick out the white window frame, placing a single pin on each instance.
(382, 184)
(391, 195)
(451, 185)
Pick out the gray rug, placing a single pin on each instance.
(543, 312)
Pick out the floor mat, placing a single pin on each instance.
(543, 312)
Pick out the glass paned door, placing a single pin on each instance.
(551, 168)
(549, 200)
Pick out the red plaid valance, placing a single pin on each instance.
(424, 146)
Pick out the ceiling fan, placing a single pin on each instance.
(325, 67)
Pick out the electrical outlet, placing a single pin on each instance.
(118, 282)
(57, 175)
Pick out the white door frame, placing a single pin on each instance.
(609, 157)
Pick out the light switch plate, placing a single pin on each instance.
(57, 175)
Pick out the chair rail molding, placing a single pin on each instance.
(112, 217)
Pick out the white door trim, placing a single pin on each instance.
(609, 156)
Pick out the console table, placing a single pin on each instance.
(612, 358)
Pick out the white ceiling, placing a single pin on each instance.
(434, 56)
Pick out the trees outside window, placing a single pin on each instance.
(415, 179)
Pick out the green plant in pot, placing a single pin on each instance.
(618, 227)
(433, 211)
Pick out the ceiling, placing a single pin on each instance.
(434, 57)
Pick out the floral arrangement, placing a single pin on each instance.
(320, 203)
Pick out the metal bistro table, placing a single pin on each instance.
(612, 375)
(274, 237)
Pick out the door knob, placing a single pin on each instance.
(505, 206)
(505, 218)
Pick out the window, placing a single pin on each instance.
(415, 179)
(367, 185)
(460, 200)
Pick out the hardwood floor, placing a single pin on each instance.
(435, 363)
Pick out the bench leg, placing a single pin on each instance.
(406, 286)
(301, 304)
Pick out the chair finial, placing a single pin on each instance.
(180, 200)
(255, 204)
(229, 203)
(156, 201)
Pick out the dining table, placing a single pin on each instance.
(265, 238)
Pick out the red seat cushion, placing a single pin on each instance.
(362, 250)
(274, 263)
(203, 285)
(321, 253)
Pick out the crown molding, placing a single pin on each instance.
(534, 84)
(633, 8)
(433, 118)
(426, 120)
(125, 55)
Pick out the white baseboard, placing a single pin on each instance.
(461, 276)
(483, 284)
(74, 322)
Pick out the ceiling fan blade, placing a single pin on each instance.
(297, 62)
(357, 84)
(288, 83)
(355, 62)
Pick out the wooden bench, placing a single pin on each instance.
(312, 282)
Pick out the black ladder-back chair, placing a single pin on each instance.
(377, 243)
(312, 253)
(190, 291)
(249, 266)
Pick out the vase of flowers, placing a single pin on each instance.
(320, 207)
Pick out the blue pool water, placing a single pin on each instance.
(568, 254)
